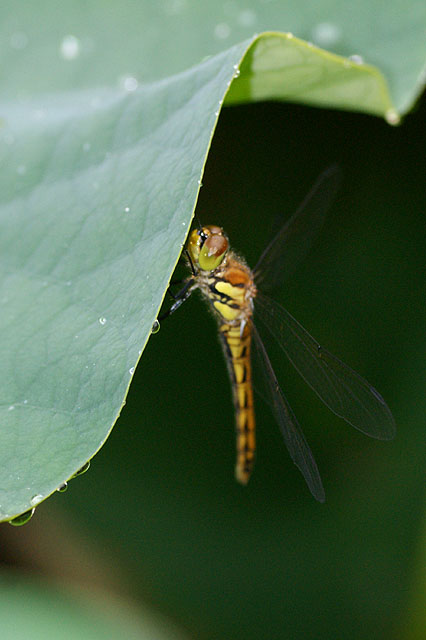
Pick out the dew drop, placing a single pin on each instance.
(22, 519)
(62, 487)
(392, 117)
(82, 470)
(155, 327)
(70, 47)
(35, 500)
(129, 83)
(222, 31)
(326, 34)
(102, 320)
(356, 58)
(127, 209)
(25, 401)
(247, 18)
(131, 370)
(11, 408)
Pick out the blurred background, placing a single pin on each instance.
(158, 521)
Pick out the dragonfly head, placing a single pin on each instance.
(207, 247)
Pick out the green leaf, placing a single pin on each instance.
(96, 202)
(99, 179)
(280, 66)
(26, 612)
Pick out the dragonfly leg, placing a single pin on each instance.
(179, 298)
(175, 283)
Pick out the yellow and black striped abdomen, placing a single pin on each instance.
(237, 351)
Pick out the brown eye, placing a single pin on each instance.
(213, 252)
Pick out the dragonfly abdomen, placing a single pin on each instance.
(237, 348)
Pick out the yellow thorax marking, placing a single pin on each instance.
(225, 310)
(236, 293)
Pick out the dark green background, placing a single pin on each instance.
(160, 503)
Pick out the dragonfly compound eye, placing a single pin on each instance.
(212, 252)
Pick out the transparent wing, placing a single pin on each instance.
(345, 392)
(294, 439)
(291, 244)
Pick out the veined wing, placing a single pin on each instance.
(294, 439)
(291, 244)
(345, 392)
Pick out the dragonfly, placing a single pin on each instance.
(238, 298)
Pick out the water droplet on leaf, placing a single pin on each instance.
(247, 18)
(326, 34)
(155, 327)
(129, 83)
(82, 469)
(392, 117)
(70, 47)
(356, 58)
(222, 31)
(22, 519)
